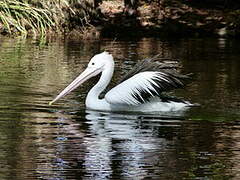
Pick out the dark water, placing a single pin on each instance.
(64, 141)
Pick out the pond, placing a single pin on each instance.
(66, 141)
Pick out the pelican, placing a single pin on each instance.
(142, 89)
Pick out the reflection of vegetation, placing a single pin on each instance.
(11, 138)
(199, 168)
(200, 114)
(20, 75)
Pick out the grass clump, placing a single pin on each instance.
(33, 17)
(20, 16)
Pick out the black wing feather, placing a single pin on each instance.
(166, 65)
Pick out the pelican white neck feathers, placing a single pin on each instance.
(140, 90)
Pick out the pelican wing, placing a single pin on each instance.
(155, 63)
(141, 87)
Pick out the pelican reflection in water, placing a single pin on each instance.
(141, 89)
(129, 145)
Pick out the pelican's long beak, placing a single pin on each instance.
(85, 75)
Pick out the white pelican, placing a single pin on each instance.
(140, 90)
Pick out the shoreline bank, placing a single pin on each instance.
(109, 19)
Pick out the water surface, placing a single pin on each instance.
(65, 141)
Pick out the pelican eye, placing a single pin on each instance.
(93, 63)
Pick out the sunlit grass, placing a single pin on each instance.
(32, 16)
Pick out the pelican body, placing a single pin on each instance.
(140, 90)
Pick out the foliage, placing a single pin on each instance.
(33, 16)
(23, 16)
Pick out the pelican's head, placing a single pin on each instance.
(100, 61)
(97, 64)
